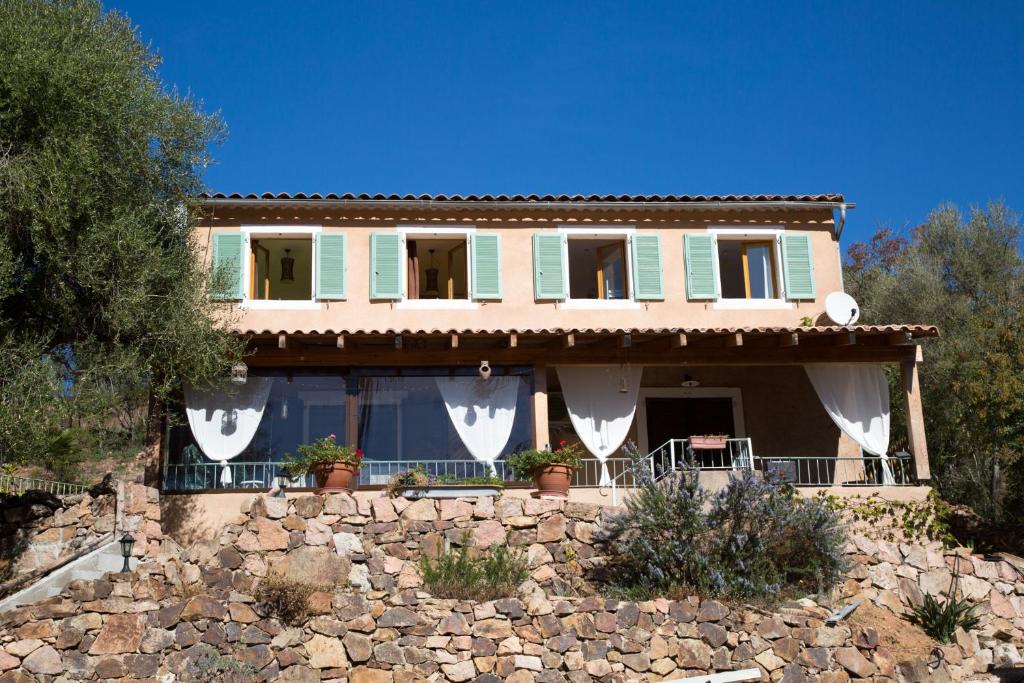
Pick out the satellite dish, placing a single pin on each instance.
(842, 309)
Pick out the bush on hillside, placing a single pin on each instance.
(463, 575)
(754, 539)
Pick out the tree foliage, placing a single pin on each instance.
(102, 297)
(965, 275)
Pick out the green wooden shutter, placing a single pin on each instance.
(701, 266)
(647, 269)
(386, 263)
(486, 265)
(798, 266)
(227, 266)
(549, 280)
(331, 253)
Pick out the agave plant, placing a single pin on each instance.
(940, 620)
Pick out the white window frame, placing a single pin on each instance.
(626, 232)
(644, 393)
(739, 234)
(440, 232)
(278, 232)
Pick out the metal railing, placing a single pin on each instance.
(866, 471)
(676, 454)
(263, 475)
(18, 485)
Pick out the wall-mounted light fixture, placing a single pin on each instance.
(287, 267)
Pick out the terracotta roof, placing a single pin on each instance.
(527, 198)
(866, 330)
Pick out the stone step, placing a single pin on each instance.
(88, 567)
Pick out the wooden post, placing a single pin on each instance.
(915, 416)
(351, 417)
(541, 433)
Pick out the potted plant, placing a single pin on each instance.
(416, 483)
(707, 442)
(335, 467)
(551, 471)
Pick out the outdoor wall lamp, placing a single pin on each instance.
(127, 541)
(485, 370)
(239, 373)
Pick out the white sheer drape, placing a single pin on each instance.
(856, 397)
(224, 419)
(601, 400)
(482, 412)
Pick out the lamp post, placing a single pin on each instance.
(127, 541)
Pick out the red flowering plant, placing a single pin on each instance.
(322, 452)
(525, 463)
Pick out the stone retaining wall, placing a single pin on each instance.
(143, 625)
(39, 530)
(191, 611)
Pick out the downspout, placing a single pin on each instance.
(839, 251)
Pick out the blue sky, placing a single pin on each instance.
(900, 106)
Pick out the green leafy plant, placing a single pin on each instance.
(940, 620)
(525, 463)
(286, 598)
(417, 477)
(465, 575)
(325, 451)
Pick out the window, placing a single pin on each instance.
(597, 268)
(280, 269)
(437, 268)
(747, 269)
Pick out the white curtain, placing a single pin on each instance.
(482, 412)
(856, 397)
(224, 419)
(601, 400)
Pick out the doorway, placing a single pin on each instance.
(670, 413)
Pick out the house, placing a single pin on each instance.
(608, 319)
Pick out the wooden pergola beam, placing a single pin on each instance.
(899, 339)
(789, 339)
(513, 340)
(453, 341)
(845, 339)
(341, 342)
(398, 342)
(678, 340)
(626, 341)
(733, 340)
(282, 341)
(568, 340)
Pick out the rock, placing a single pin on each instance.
(397, 617)
(271, 506)
(853, 661)
(308, 506)
(772, 628)
(714, 634)
(769, 660)
(325, 653)
(935, 581)
(346, 544)
(156, 639)
(229, 558)
(43, 660)
(454, 624)
(22, 648)
(8, 661)
(488, 533)
(551, 530)
(883, 576)
(201, 607)
(270, 534)
(528, 662)
(340, 504)
(317, 533)
(712, 610)
(460, 671)
(422, 510)
(495, 629)
(120, 633)
(313, 564)
(693, 654)
(453, 508)
(242, 613)
(1004, 655)
(383, 510)
(358, 646)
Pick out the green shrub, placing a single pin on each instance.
(525, 463)
(285, 598)
(753, 539)
(940, 620)
(462, 575)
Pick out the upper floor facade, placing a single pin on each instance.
(390, 264)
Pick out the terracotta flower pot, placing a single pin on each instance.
(707, 442)
(552, 481)
(336, 477)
